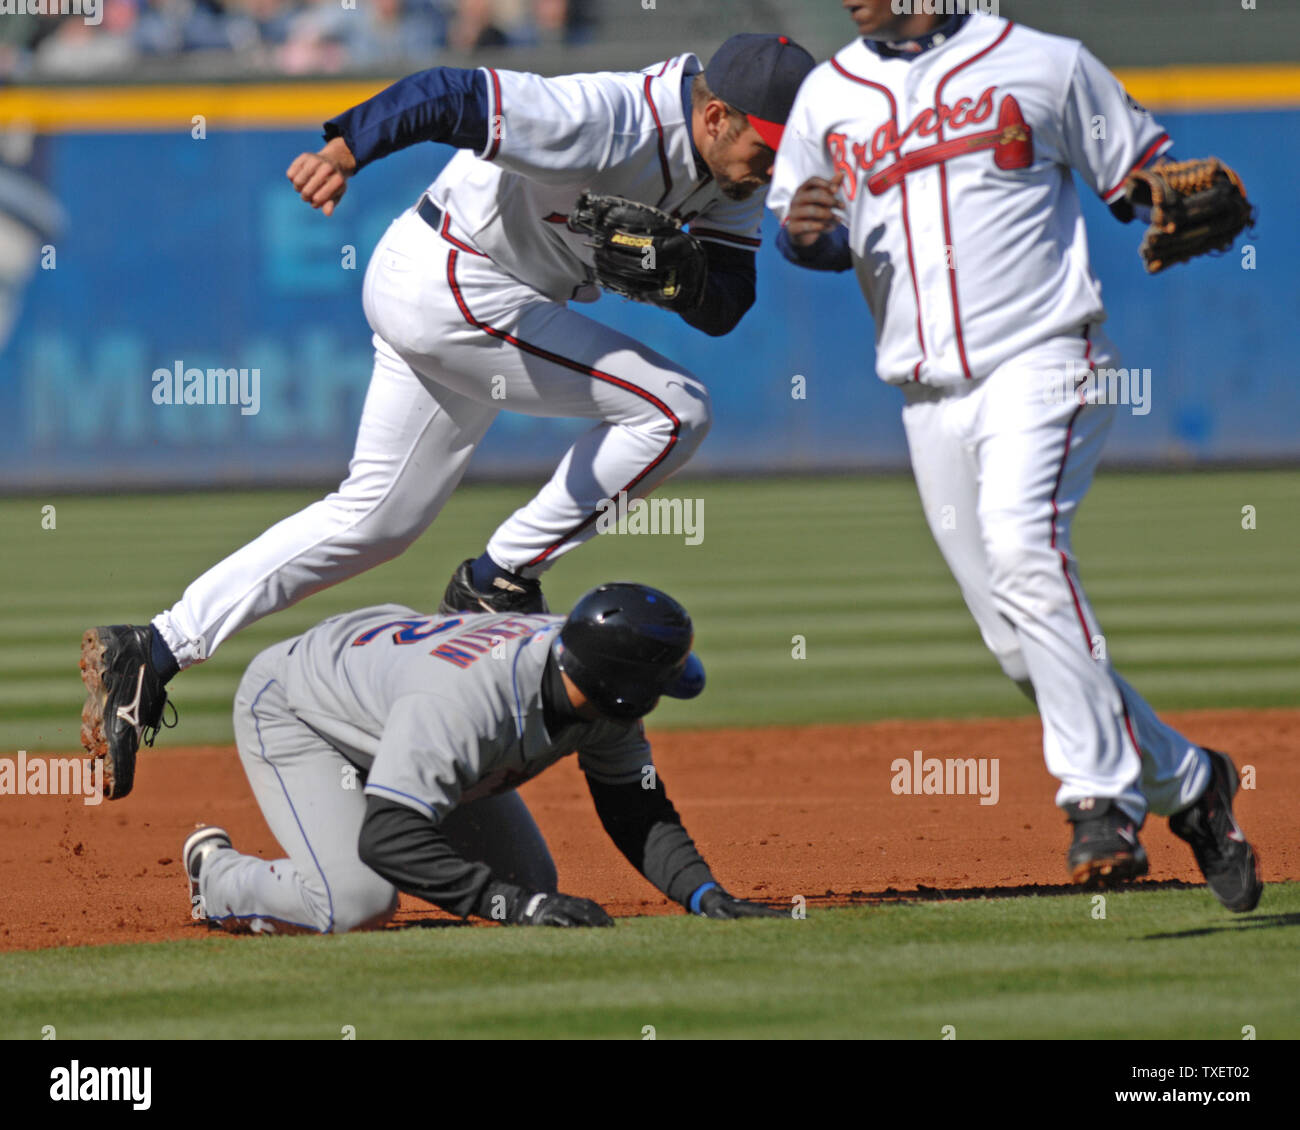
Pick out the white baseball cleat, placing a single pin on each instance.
(200, 843)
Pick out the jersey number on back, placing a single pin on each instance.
(412, 631)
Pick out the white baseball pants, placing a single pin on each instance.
(457, 340)
(313, 802)
(1002, 465)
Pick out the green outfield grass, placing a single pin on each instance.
(1162, 964)
(1198, 611)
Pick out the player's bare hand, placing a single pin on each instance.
(815, 209)
(321, 178)
(717, 903)
(562, 910)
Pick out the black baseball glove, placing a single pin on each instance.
(1196, 207)
(717, 903)
(642, 252)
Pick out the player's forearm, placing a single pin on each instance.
(406, 848)
(829, 252)
(729, 290)
(645, 827)
(1125, 212)
(445, 104)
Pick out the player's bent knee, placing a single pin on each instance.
(1020, 567)
(364, 904)
(384, 530)
(370, 510)
(694, 410)
(693, 419)
(1014, 667)
(381, 916)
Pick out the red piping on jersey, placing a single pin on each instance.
(907, 227)
(1151, 152)
(577, 367)
(667, 63)
(943, 200)
(663, 153)
(731, 237)
(498, 120)
(445, 232)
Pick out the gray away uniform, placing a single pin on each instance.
(398, 738)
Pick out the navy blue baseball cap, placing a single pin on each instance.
(759, 75)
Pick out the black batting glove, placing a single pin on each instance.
(560, 910)
(515, 906)
(717, 903)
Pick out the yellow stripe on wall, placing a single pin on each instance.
(1258, 87)
(304, 105)
(122, 109)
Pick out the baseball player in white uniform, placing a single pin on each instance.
(384, 747)
(467, 294)
(934, 157)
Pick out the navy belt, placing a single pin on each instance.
(430, 213)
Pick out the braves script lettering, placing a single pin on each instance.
(1011, 141)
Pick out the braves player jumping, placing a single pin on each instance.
(933, 157)
(467, 295)
(384, 748)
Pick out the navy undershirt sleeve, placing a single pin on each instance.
(830, 252)
(728, 292)
(447, 104)
(645, 827)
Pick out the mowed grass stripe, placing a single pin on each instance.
(1220, 625)
(1028, 968)
(1185, 595)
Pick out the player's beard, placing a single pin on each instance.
(731, 187)
(738, 189)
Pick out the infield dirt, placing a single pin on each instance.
(779, 812)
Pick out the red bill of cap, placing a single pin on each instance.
(770, 132)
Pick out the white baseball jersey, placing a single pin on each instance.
(964, 223)
(622, 133)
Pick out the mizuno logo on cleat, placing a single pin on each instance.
(131, 714)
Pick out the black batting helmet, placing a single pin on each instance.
(624, 645)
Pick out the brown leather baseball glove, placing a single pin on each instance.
(1196, 207)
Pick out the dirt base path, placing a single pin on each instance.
(778, 812)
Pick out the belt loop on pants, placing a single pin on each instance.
(434, 216)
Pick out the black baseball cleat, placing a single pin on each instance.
(1230, 865)
(521, 595)
(1105, 848)
(124, 701)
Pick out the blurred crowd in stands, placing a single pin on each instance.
(287, 37)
